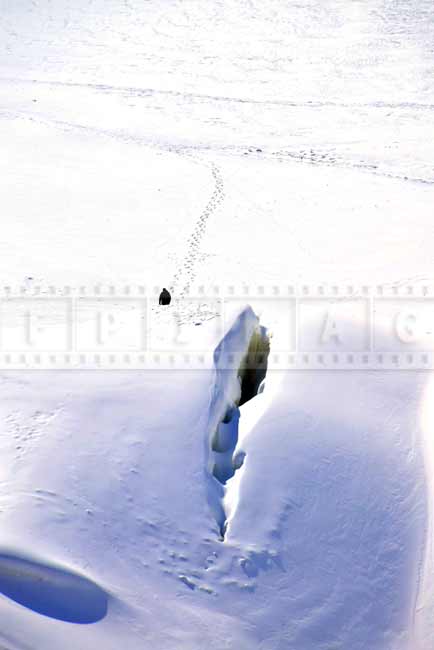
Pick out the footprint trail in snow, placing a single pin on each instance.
(186, 273)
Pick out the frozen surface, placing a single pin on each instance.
(122, 120)
(167, 143)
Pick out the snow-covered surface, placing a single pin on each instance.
(220, 143)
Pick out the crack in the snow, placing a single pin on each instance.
(224, 460)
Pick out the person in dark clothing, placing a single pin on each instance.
(165, 298)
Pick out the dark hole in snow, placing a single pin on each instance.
(229, 415)
(254, 365)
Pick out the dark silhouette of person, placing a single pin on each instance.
(165, 298)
